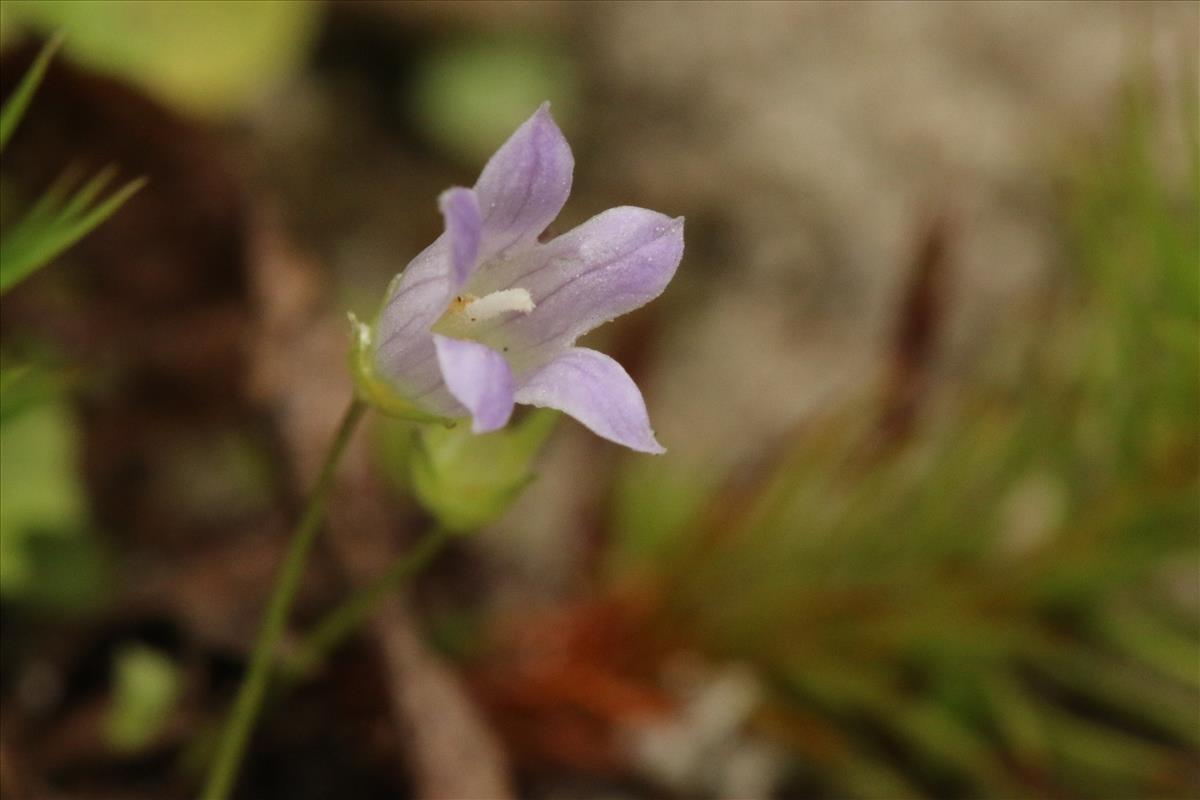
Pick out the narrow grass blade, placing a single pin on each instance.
(14, 107)
(88, 192)
(38, 239)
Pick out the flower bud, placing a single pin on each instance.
(468, 480)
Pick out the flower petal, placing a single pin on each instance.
(428, 283)
(411, 365)
(613, 263)
(464, 229)
(598, 392)
(525, 184)
(479, 378)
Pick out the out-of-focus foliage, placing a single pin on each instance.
(169, 47)
(23, 387)
(56, 221)
(46, 557)
(59, 218)
(1003, 604)
(15, 105)
(145, 686)
(46, 501)
(473, 93)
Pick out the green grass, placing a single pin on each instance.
(990, 608)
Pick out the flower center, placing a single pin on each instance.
(466, 312)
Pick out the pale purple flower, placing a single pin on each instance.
(487, 316)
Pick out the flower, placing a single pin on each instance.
(487, 316)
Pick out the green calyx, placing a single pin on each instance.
(464, 480)
(375, 390)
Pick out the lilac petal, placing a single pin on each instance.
(613, 263)
(429, 282)
(598, 392)
(412, 366)
(479, 378)
(464, 229)
(524, 184)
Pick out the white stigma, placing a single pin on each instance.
(493, 305)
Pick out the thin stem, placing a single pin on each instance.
(249, 700)
(333, 628)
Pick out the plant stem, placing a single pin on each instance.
(234, 738)
(333, 628)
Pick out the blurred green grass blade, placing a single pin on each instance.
(943, 741)
(78, 228)
(825, 746)
(1015, 716)
(88, 192)
(1123, 689)
(869, 778)
(52, 199)
(939, 741)
(1115, 763)
(14, 107)
(1142, 636)
(42, 234)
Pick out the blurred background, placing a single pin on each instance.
(928, 376)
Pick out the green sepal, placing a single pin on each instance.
(468, 480)
(375, 390)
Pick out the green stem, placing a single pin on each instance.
(344, 620)
(249, 700)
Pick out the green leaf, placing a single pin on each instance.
(54, 223)
(469, 94)
(23, 386)
(146, 685)
(210, 58)
(14, 107)
(40, 495)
